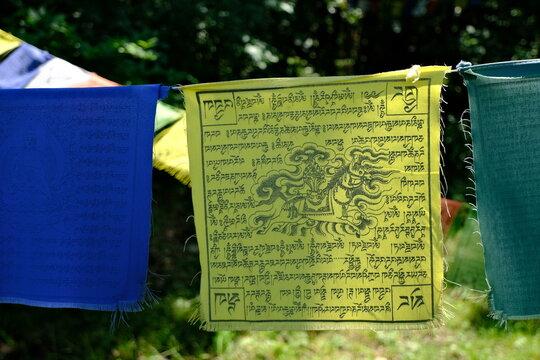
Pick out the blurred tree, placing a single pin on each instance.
(187, 41)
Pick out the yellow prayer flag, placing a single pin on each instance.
(166, 115)
(8, 42)
(317, 202)
(170, 150)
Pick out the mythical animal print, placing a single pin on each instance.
(323, 193)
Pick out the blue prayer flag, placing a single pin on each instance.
(75, 195)
(21, 66)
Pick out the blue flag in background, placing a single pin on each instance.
(75, 195)
(21, 66)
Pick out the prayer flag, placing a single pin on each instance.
(52, 72)
(58, 73)
(317, 202)
(95, 81)
(21, 66)
(75, 196)
(8, 42)
(505, 107)
(170, 151)
(167, 115)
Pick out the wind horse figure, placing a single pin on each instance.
(323, 193)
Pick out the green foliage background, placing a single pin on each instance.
(190, 41)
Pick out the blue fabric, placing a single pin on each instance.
(75, 195)
(21, 66)
(505, 107)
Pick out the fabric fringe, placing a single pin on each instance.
(172, 155)
(179, 174)
(119, 311)
(196, 316)
(497, 314)
(469, 161)
(444, 183)
(147, 300)
(120, 314)
(465, 123)
(322, 326)
(502, 317)
(443, 313)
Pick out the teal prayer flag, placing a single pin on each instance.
(505, 115)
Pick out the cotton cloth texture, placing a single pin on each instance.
(505, 106)
(96, 81)
(58, 73)
(171, 149)
(8, 42)
(21, 66)
(75, 196)
(317, 202)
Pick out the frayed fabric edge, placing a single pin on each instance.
(119, 314)
(469, 161)
(503, 317)
(146, 301)
(320, 326)
(179, 174)
(444, 314)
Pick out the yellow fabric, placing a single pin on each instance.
(166, 115)
(170, 150)
(8, 42)
(317, 201)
